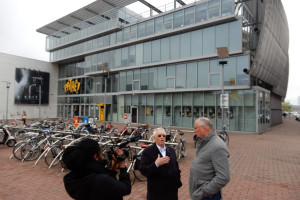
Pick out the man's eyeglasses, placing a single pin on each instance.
(161, 135)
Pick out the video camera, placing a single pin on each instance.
(122, 145)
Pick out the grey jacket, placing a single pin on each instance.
(210, 168)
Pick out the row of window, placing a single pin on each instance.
(175, 109)
(197, 43)
(187, 45)
(194, 14)
(203, 74)
(83, 29)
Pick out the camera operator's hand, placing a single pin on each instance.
(162, 160)
(116, 162)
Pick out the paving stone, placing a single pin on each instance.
(263, 166)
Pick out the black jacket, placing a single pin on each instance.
(163, 181)
(95, 182)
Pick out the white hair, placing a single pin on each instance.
(158, 129)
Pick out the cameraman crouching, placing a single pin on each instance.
(89, 179)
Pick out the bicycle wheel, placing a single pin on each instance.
(131, 174)
(183, 148)
(31, 151)
(177, 151)
(20, 134)
(18, 148)
(137, 173)
(11, 142)
(51, 155)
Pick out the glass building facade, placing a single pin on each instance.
(163, 70)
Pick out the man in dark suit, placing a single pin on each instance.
(160, 166)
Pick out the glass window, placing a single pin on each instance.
(131, 59)
(149, 109)
(165, 49)
(170, 77)
(250, 111)
(227, 7)
(196, 44)
(147, 52)
(209, 106)
(161, 77)
(126, 34)
(136, 74)
(121, 103)
(189, 15)
(113, 39)
(180, 76)
(235, 36)
(158, 25)
(136, 85)
(209, 46)
(235, 112)
(133, 32)
(185, 45)
(98, 43)
(124, 56)
(106, 41)
(198, 105)
(171, 71)
(141, 30)
(149, 27)
(118, 58)
(242, 78)
(230, 72)
(167, 116)
(111, 59)
(158, 109)
(191, 75)
(119, 37)
(178, 19)
(155, 50)
(201, 11)
(139, 54)
(129, 79)
(222, 35)
(187, 101)
(115, 82)
(213, 9)
(142, 108)
(144, 79)
(168, 22)
(215, 79)
(174, 46)
(122, 81)
(152, 78)
(177, 109)
(203, 72)
(214, 66)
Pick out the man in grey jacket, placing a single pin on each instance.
(210, 168)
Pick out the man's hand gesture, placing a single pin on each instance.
(162, 160)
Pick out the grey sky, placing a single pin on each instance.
(20, 19)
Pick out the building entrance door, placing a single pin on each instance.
(134, 114)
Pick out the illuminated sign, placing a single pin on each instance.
(72, 86)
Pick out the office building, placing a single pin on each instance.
(163, 67)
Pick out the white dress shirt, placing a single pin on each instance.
(162, 150)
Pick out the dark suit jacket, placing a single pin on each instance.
(163, 181)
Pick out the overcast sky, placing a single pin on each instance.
(19, 20)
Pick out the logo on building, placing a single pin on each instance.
(72, 86)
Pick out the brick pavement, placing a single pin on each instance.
(265, 166)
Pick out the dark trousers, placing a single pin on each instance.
(215, 197)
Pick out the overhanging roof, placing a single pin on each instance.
(96, 8)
